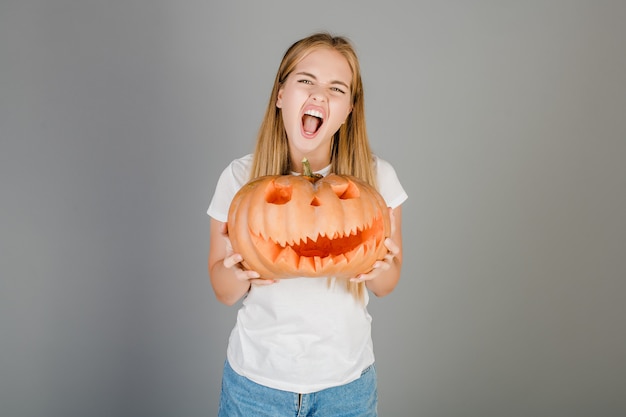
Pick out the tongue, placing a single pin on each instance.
(310, 123)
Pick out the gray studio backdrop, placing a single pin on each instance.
(505, 120)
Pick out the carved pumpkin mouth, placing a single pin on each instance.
(317, 253)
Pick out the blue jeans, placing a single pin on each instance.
(241, 397)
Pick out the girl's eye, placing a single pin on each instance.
(305, 81)
(338, 90)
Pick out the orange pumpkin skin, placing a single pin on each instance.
(289, 226)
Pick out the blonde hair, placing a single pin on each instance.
(350, 149)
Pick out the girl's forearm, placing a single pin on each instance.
(228, 289)
(385, 283)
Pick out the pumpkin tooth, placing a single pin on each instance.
(317, 261)
(286, 258)
(369, 246)
(267, 247)
(340, 259)
(355, 253)
(306, 263)
(377, 220)
(360, 251)
(287, 241)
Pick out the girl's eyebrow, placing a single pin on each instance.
(308, 74)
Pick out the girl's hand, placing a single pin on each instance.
(233, 261)
(382, 265)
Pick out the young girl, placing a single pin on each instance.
(303, 346)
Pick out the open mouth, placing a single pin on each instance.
(312, 120)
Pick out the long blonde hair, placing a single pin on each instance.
(350, 149)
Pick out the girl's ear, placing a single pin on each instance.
(279, 99)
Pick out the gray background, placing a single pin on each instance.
(505, 120)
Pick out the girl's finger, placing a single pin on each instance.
(233, 260)
(261, 281)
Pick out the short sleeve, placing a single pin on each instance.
(389, 185)
(232, 178)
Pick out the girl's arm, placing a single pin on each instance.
(230, 282)
(384, 276)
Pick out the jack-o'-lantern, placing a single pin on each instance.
(307, 225)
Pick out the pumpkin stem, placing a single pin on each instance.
(306, 168)
(307, 172)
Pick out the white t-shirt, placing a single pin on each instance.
(300, 334)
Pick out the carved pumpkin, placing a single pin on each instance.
(304, 226)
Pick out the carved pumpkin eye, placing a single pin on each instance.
(346, 190)
(276, 193)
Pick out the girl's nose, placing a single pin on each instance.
(318, 93)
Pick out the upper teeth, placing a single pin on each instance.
(314, 113)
